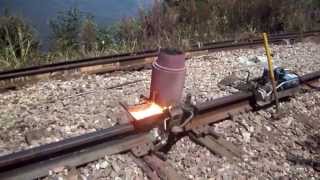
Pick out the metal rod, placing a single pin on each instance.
(242, 96)
(223, 101)
(64, 146)
(76, 158)
(270, 66)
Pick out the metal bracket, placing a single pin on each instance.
(176, 115)
(260, 102)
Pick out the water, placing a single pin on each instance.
(39, 12)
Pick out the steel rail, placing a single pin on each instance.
(226, 107)
(131, 57)
(71, 65)
(82, 149)
(55, 149)
(75, 158)
(112, 58)
(274, 36)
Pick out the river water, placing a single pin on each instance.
(39, 12)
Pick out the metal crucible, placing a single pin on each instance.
(168, 77)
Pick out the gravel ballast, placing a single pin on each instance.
(50, 111)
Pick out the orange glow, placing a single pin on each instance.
(147, 111)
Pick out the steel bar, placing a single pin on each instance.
(69, 65)
(65, 146)
(109, 58)
(74, 159)
(274, 37)
(128, 57)
(310, 77)
(233, 45)
(223, 108)
(241, 96)
(220, 102)
(218, 114)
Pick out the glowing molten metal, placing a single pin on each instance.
(147, 110)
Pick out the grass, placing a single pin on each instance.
(16, 43)
(167, 23)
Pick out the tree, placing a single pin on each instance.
(88, 35)
(65, 30)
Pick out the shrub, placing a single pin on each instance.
(73, 33)
(17, 42)
(168, 23)
(88, 36)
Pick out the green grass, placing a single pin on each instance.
(179, 25)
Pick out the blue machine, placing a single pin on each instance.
(285, 79)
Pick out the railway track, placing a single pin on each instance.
(127, 138)
(137, 60)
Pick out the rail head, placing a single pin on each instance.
(129, 57)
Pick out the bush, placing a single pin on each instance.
(88, 36)
(154, 28)
(17, 42)
(180, 23)
(73, 33)
(168, 23)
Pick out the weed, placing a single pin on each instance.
(168, 23)
(17, 42)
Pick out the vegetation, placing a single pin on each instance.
(169, 23)
(73, 33)
(17, 42)
(185, 22)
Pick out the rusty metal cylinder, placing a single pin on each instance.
(168, 76)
